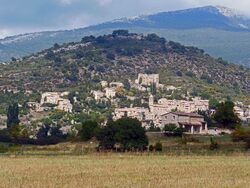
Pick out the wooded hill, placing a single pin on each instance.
(119, 56)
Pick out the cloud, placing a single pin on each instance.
(104, 2)
(5, 33)
(67, 2)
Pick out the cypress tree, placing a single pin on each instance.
(12, 115)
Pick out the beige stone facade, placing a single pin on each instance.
(56, 99)
(98, 95)
(138, 113)
(110, 93)
(65, 105)
(191, 122)
(116, 84)
(50, 97)
(148, 79)
(165, 105)
(154, 113)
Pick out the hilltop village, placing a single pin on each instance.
(151, 111)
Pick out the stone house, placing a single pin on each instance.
(104, 84)
(98, 95)
(165, 105)
(56, 99)
(191, 122)
(142, 114)
(50, 97)
(148, 79)
(110, 93)
(65, 105)
(116, 84)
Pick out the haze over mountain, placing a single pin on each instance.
(220, 31)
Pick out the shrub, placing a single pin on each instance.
(179, 73)
(111, 56)
(151, 148)
(240, 134)
(173, 130)
(247, 140)
(190, 74)
(213, 144)
(3, 148)
(158, 146)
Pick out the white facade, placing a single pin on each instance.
(98, 95)
(104, 84)
(148, 79)
(116, 84)
(192, 123)
(110, 93)
(65, 105)
(142, 114)
(165, 105)
(56, 99)
(50, 97)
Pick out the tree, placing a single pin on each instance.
(153, 89)
(173, 130)
(12, 115)
(106, 136)
(179, 73)
(43, 132)
(225, 115)
(213, 103)
(56, 46)
(110, 56)
(126, 132)
(126, 84)
(88, 130)
(130, 134)
(120, 33)
(207, 117)
(56, 132)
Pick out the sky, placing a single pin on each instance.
(22, 16)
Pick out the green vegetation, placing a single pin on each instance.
(13, 115)
(118, 57)
(127, 133)
(225, 115)
(88, 130)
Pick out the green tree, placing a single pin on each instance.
(126, 84)
(213, 103)
(225, 115)
(130, 134)
(12, 115)
(88, 130)
(106, 136)
(207, 117)
(153, 89)
(126, 132)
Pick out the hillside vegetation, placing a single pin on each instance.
(80, 66)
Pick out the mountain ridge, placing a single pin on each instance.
(202, 19)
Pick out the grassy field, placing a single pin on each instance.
(125, 170)
(183, 163)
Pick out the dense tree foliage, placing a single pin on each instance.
(13, 115)
(126, 132)
(225, 115)
(88, 130)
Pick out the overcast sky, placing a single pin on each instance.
(20, 16)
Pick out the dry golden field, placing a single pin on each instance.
(125, 170)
